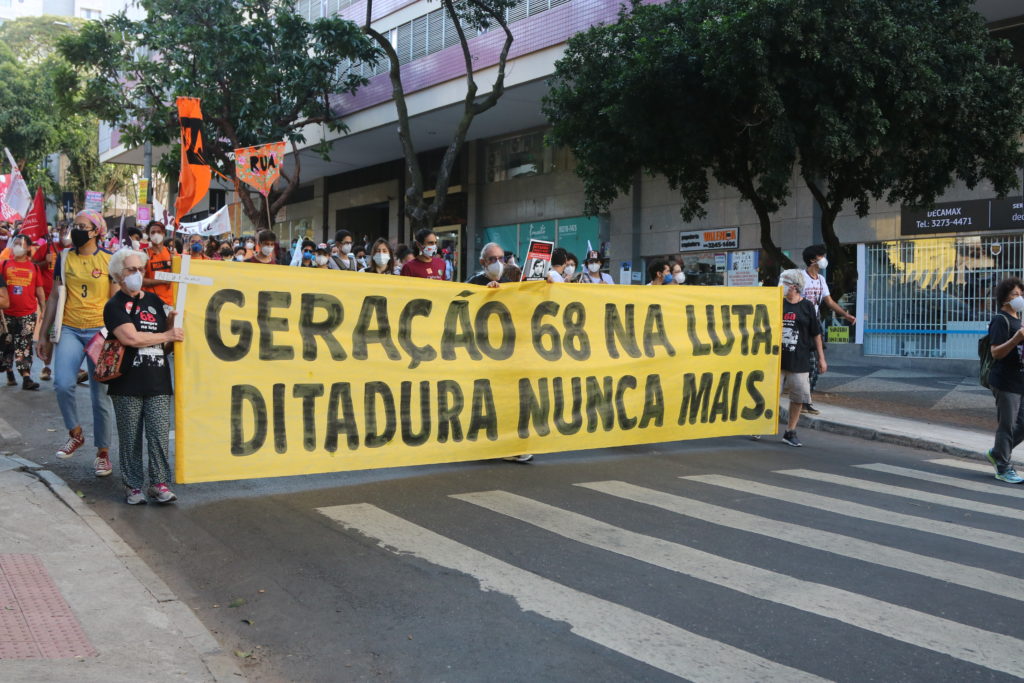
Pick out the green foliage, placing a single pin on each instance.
(32, 124)
(862, 99)
(262, 72)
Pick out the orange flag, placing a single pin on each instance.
(194, 180)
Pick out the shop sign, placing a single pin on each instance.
(701, 240)
(971, 215)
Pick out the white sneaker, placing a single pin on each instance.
(520, 458)
(135, 497)
(161, 493)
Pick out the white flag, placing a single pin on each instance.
(17, 197)
(217, 224)
(159, 212)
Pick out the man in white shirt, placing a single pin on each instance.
(816, 291)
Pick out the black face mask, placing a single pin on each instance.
(79, 237)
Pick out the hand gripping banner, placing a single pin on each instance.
(194, 180)
(260, 166)
(297, 370)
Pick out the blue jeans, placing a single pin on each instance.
(67, 359)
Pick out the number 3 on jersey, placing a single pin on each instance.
(85, 291)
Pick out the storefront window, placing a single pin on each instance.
(523, 156)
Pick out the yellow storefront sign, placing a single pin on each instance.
(296, 370)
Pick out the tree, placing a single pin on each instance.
(466, 16)
(864, 100)
(262, 71)
(30, 123)
(648, 95)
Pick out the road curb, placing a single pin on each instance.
(220, 664)
(824, 424)
(8, 434)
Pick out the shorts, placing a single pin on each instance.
(798, 384)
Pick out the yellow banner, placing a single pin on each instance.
(297, 370)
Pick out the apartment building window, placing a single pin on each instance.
(520, 155)
(5, 3)
(91, 14)
(429, 33)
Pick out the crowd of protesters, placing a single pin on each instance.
(109, 285)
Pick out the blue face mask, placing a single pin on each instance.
(667, 279)
(307, 256)
(197, 246)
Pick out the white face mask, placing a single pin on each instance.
(18, 251)
(239, 257)
(267, 250)
(568, 271)
(250, 245)
(594, 267)
(321, 260)
(381, 258)
(157, 238)
(429, 251)
(133, 282)
(66, 240)
(823, 263)
(680, 278)
(136, 244)
(495, 270)
(1017, 302)
(346, 247)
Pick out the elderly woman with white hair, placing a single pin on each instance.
(801, 333)
(142, 393)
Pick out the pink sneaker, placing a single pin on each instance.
(102, 464)
(70, 446)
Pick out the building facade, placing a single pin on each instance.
(922, 291)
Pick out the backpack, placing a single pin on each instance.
(985, 357)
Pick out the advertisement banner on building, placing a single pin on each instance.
(143, 191)
(706, 240)
(972, 215)
(314, 373)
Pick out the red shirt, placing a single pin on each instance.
(432, 270)
(46, 269)
(22, 280)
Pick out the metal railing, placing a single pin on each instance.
(932, 298)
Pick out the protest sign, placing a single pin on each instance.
(217, 224)
(35, 220)
(260, 166)
(289, 371)
(143, 191)
(93, 201)
(7, 212)
(538, 260)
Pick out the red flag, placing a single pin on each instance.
(35, 221)
(194, 180)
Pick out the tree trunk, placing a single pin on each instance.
(841, 273)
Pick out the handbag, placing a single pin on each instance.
(6, 336)
(109, 354)
(62, 298)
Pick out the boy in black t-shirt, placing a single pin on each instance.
(801, 332)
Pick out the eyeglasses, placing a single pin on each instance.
(83, 226)
(132, 271)
(494, 259)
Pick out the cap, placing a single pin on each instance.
(592, 256)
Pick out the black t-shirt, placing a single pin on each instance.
(1007, 373)
(799, 328)
(145, 371)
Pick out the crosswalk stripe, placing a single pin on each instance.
(999, 653)
(619, 628)
(865, 512)
(838, 544)
(994, 488)
(964, 465)
(911, 494)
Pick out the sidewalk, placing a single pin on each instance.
(76, 603)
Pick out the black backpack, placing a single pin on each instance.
(986, 358)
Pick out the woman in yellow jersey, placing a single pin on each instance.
(84, 271)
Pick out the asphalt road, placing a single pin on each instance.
(706, 560)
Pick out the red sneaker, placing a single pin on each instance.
(70, 446)
(102, 464)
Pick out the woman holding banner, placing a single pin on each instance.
(142, 393)
(83, 270)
